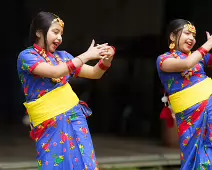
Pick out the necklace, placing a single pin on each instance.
(189, 72)
(57, 58)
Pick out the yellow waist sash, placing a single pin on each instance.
(52, 104)
(184, 99)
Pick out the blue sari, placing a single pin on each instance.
(195, 123)
(64, 141)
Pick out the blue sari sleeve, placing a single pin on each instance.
(161, 59)
(28, 60)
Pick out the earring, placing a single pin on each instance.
(172, 45)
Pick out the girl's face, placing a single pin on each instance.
(186, 40)
(54, 37)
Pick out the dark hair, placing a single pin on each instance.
(175, 26)
(41, 22)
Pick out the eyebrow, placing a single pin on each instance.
(190, 32)
(56, 29)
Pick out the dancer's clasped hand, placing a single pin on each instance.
(100, 51)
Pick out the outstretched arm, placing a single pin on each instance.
(171, 64)
(46, 70)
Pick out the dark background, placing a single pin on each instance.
(127, 100)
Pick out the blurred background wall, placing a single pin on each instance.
(127, 100)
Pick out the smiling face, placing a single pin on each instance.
(185, 39)
(54, 36)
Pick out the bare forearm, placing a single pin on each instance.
(98, 72)
(193, 59)
(63, 70)
(196, 56)
(80, 60)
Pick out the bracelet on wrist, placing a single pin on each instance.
(102, 66)
(202, 51)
